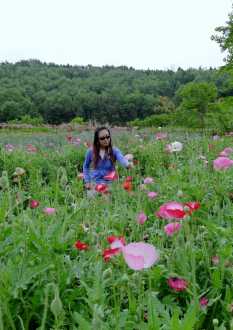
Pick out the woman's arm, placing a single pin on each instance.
(120, 158)
(86, 167)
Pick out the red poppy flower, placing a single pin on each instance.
(192, 206)
(81, 246)
(69, 138)
(102, 188)
(127, 185)
(109, 253)
(112, 239)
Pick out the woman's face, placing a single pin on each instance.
(104, 138)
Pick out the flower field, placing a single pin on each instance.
(153, 250)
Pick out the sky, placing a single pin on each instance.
(144, 34)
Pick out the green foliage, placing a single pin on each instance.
(115, 95)
(26, 119)
(77, 120)
(224, 37)
(154, 121)
(197, 96)
(220, 115)
(46, 283)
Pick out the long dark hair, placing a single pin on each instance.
(96, 146)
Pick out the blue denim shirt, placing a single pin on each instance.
(104, 166)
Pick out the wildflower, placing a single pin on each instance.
(9, 147)
(152, 194)
(127, 185)
(177, 284)
(109, 253)
(101, 188)
(49, 210)
(34, 204)
(140, 255)
(160, 136)
(148, 180)
(222, 163)
(171, 228)
(116, 242)
(226, 152)
(81, 246)
(193, 206)
(215, 260)
(141, 218)
(171, 210)
(31, 148)
(174, 147)
(204, 302)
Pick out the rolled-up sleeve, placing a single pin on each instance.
(86, 166)
(120, 158)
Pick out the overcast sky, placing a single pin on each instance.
(155, 34)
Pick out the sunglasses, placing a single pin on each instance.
(104, 137)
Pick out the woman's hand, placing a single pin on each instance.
(130, 165)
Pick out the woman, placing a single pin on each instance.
(102, 157)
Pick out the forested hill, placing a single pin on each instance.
(117, 95)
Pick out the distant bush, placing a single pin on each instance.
(26, 119)
(165, 119)
(78, 121)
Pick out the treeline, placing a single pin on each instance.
(118, 95)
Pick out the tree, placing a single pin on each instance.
(224, 38)
(195, 97)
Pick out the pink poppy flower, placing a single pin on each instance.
(9, 147)
(140, 255)
(215, 260)
(34, 204)
(31, 148)
(171, 210)
(148, 180)
(141, 218)
(222, 163)
(160, 136)
(111, 176)
(226, 152)
(177, 284)
(152, 194)
(171, 228)
(49, 210)
(204, 302)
